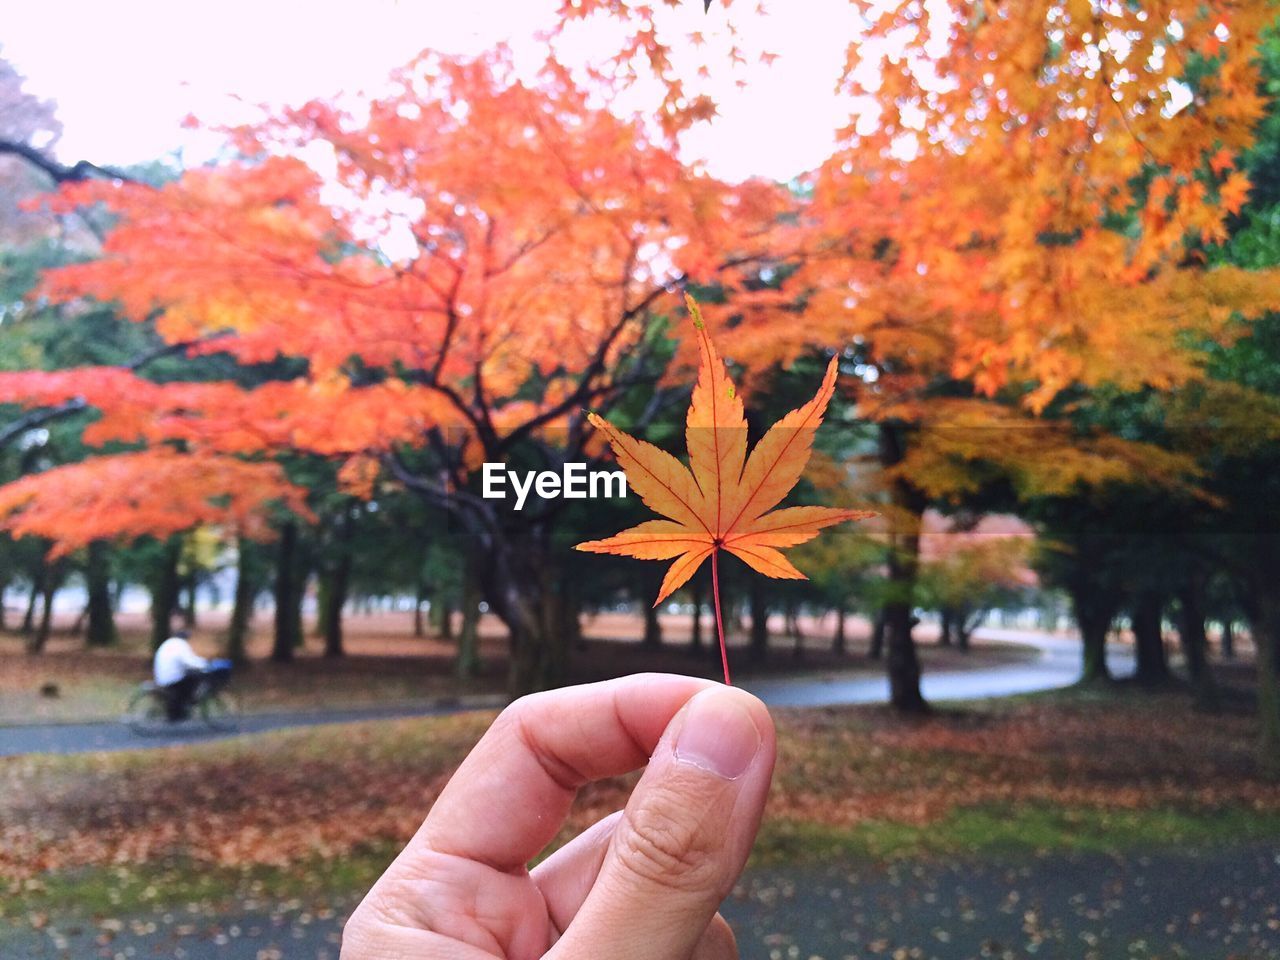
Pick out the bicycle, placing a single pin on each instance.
(147, 712)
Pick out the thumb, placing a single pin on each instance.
(684, 836)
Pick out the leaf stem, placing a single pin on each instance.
(715, 594)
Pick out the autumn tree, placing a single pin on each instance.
(1240, 400)
(1012, 222)
(460, 268)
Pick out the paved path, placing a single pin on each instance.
(91, 737)
(1211, 905)
(1057, 664)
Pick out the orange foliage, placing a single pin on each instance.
(472, 259)
(976, 230)
(523, 232)
(468, 264)
(971, 223)
(158, 493)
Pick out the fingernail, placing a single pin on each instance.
(718, 734)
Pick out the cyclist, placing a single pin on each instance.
(178, 670)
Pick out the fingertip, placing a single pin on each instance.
(722, 730)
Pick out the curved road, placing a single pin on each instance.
(1056, 665)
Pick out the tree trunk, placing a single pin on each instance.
(904, 667)
(1268, 645)
(945, 627)
(1148, 639)
(966, 622)
(324, 584)
(419, 598)
(1195, 643)
(467, 664)
(302, 576)
(101, 619)
(189, 605)
(37, 642)
(876, 650)
(446, 617)
(695, 633)
(519, 579)
(537, 655)
(571, 612)
(248, 583)
(334, 599)
(33, 599)
(652, 627)
(840, 643)
(904, 565)
(1262, 607)
(287, 595)
(1264, 615)
(1228, 639)
(758, 648)
(1093, 617)
(165, 585)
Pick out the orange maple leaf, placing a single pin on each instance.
(1222, 161)
(1234, 192)
(724, 499)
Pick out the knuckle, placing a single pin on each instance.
(519, 710)
(518, 707)
(666, 846)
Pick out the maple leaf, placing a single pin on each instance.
(724, 500)
(1222, 161)
(1234, 191)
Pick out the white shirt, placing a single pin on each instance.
(173, 659)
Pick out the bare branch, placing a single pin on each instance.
(585, 388)
(38, 418)
(59, 172)
(472, 510)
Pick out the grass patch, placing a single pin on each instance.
(94, 892)
(995, 831)
(977, 832)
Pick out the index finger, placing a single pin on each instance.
(510, 796)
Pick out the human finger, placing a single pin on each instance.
(684, 836)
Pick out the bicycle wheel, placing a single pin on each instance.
(146, 713)
(220, 711)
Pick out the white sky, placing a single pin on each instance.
(125, 73)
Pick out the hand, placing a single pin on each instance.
(642, 884)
